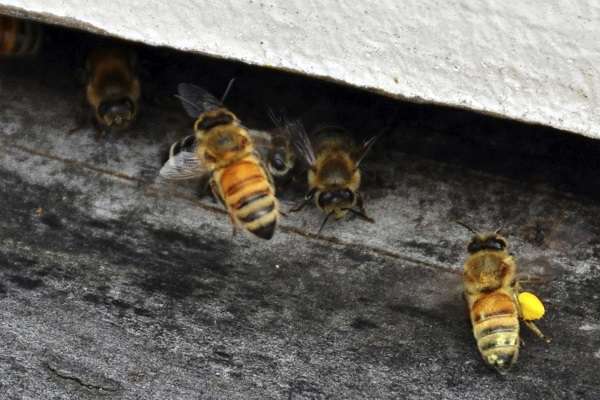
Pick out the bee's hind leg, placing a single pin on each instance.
(215, 192)
(204, 188)
(216, 195)
(536, 331)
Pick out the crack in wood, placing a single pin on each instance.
(152, 191)
(71, 377)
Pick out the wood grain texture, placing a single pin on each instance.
(115, 286)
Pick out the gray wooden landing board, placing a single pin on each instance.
(114, 287)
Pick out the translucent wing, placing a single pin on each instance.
(301, 141)
(277, 119)
(196, 100)
(284, 128)
(183, 162)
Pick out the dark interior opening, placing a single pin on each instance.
(531, 154)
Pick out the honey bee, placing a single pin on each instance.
(492, 293)
(112, 88)
(333, 174)
(19, 37)
(223, 148)
(276, 153)
(281, 158)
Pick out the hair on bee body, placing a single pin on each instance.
(112, 88)
(333, 174)
(19, 37)
(491, 289)
(223, 149)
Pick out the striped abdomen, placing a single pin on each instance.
(249, 196)
(19, 37)
(495, 322)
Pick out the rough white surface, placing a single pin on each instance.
(531, 61)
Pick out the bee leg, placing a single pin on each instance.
(216, 195)
(307, 199)
(528, 324)
(82, 117)
(204, 188)
(101, 131)
(536, 331)
(283, 214)
(76, 128)
(361, 212)
(300, 206)
(360, 203)
(324, 222)
(100, 134)
(527, 278)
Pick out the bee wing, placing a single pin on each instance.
(260, 138)
(301, 141)
(196, 100)
(278, 120)
(364, 149)
(183, 162)
(283, 126)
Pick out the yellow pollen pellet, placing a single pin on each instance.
(531, 307)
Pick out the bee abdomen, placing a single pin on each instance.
(498, 341)
(250, 197)
(259, 214)
(19, 37)
(496, 329)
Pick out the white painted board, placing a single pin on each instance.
(536, 61)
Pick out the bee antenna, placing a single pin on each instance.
(229, 85)
(497, 231)
(466, 226)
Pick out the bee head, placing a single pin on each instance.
(280, 163)
(342, 198)
(490, 241)
(116, 113)
(214, 118)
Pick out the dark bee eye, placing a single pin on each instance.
(277, 162)
(347, 194)
(325, 198)
(494, 244)
(474, 247)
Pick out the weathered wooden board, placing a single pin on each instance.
(112, 286)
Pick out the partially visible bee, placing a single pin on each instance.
(278, 158)
(281, 158)
(19, 37)
(223, 148)
(492, 293)
(113, 88)
(333, 173)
